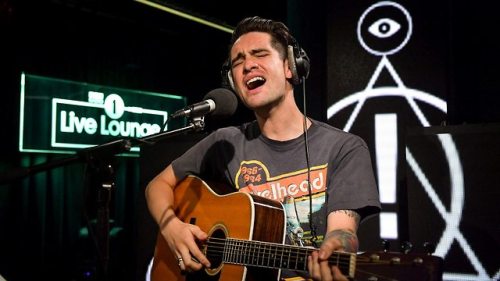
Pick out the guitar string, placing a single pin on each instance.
(276, 263)
(377, 263)
(269, 260)
(280, 248)
(236, 250)
(222, 242)
(239, 247)
(277, 255)
(378, 276)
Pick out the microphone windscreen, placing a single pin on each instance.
(225, 100)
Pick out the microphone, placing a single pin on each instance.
(218, 102)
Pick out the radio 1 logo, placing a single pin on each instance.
(80, 124)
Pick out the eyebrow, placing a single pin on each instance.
(253, 52)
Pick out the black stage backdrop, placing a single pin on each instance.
(453, 192)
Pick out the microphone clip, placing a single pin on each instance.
(198, 122)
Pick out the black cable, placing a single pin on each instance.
(100, 262)
(312, 227)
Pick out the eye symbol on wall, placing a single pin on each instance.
(384, 28)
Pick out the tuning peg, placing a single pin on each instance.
(406, 247)
(429, 248)
(386, 245)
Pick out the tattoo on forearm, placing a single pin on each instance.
(351, 214)
(348, 239)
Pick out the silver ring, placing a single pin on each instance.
(179, 260)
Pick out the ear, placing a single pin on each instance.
(288, 72)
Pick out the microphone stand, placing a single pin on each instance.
(102, 161)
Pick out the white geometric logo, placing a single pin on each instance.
(385, 129)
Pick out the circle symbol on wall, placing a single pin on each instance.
(114, 106)
(384, 28)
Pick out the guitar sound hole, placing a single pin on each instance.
(215, 248)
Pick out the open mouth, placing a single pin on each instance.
(255, 82)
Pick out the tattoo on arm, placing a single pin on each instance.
(348, 238)
(351, 214)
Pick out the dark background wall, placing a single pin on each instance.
(130, 45)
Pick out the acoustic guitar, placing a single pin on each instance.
(246, 235)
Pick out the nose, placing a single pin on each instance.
(249, 65)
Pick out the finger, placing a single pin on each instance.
(180, 262)
(326, 271)
(328, 247)
(197, 253)
(190, 264)
(313, 266)
(198, 233)
(198, 258)
(337, 275)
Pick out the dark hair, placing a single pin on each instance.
(280, 35)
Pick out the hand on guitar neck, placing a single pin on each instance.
(336, 240)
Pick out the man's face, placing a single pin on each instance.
(259, 73)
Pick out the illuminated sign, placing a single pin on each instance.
(373, 28)
(63, 116)
(382, 110)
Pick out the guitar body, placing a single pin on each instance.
(236, 215)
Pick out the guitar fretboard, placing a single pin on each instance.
(271, 255)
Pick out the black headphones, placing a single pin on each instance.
(298, 61)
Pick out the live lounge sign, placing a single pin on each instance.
(83, 115)
(77, 122)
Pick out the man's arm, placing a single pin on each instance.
(342, 226)
(180, 236)
(160, 197)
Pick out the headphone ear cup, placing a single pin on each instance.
(299, 64)
(303, 64)
(293, 65)
(226, 76)
(230, 80)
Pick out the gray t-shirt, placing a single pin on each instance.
(341, 172)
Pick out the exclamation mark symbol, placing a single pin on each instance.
(386, 149)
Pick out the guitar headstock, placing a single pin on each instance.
(378, 266)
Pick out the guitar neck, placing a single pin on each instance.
(272, 255)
